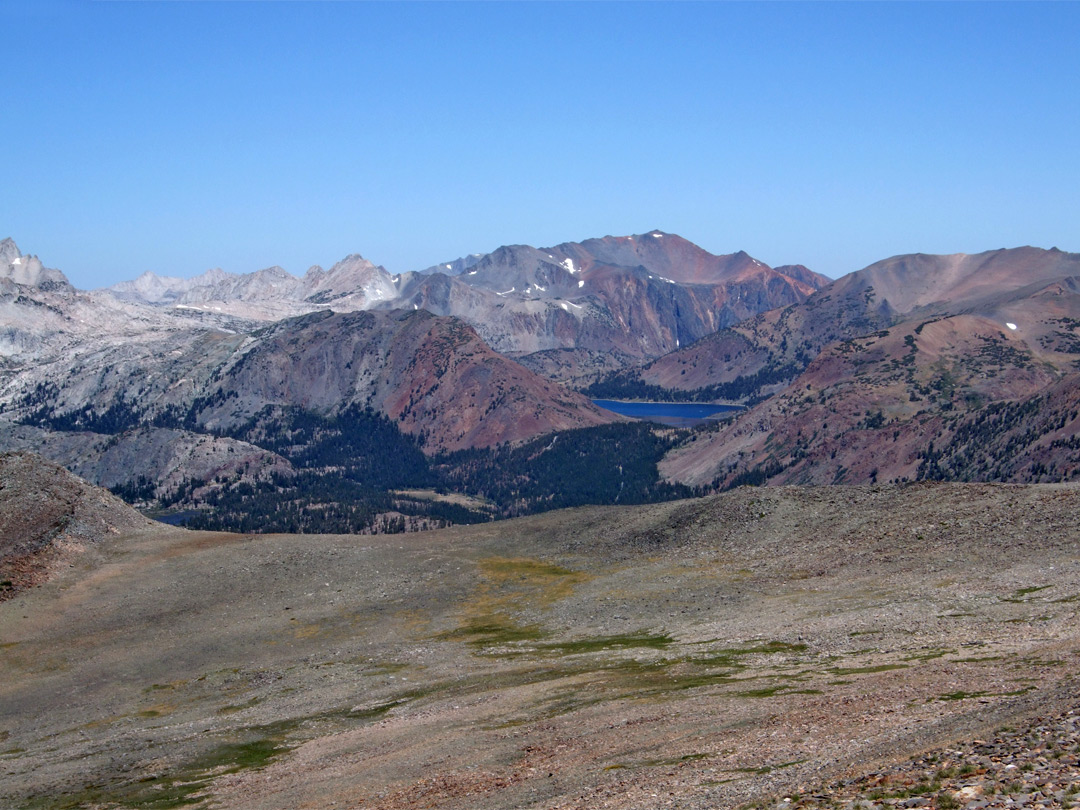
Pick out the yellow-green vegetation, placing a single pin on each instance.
(865, 670)
(656, 763)
(730, 656)
(642, 639)
(538, 581)
(928, 655)
(238, 707)
(1019, 594)
(961, 695)
(764, 769)
(492, 629)
(182, 786)
(508, 585)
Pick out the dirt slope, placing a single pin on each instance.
(48, 516)
(695, 654)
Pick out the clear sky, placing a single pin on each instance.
(179, 136)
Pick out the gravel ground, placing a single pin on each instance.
(738, 649)
(1035, 767)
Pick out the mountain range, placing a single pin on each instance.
(884, 370)
(565, 311)
(179, 392)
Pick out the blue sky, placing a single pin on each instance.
(180, 136)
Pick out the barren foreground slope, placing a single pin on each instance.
(695, 654)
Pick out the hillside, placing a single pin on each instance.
(48, 518)
(968, 383)
(745, 647)
(778, 344)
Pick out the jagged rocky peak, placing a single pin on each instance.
(9, 251)
(353, 278)
(29, 271)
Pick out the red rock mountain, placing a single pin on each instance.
(914, 367)
(432, 375)
(577, 308)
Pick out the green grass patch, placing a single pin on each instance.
(764, 769)
(929, 655)
(729, 656)
(491, 630)
(1033, 589)
(237, 707)
(1019, 594)
(842, 671)
(961, 695)
(373, 712)
(183, 786)
(656, 763)
(640, 640)
(773, 691)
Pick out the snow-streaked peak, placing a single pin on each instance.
(9, 251)
(28, 270)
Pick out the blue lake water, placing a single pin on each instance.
(682, 414)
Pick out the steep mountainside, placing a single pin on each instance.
(589, 305)
(897, 290)
(975, 382)
(434, 376)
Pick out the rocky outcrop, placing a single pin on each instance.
(28, 270)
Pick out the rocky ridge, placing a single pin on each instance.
(980, 364)
(617, 297)
(584, 305)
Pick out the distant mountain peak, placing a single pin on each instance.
(28, 270)
(9, 251)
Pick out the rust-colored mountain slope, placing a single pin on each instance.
(984, 394)
(434, 376)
